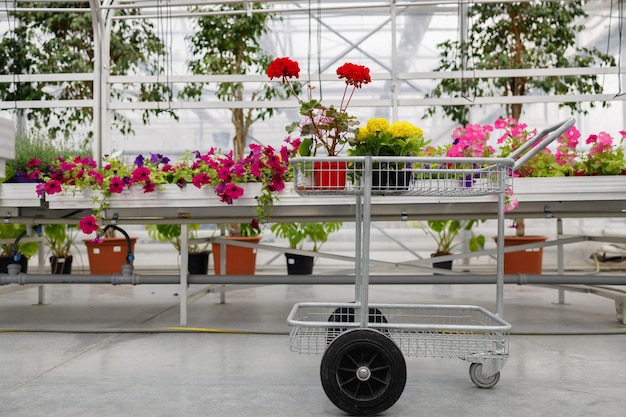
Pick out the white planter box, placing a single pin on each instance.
(19, 195)
(601, 188)
(167, 195)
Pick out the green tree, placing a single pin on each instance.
(228, 42)
(519, 36)
(45, 42)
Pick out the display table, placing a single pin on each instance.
(555, 197)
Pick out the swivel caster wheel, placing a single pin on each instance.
(476, 375)
(363, 372)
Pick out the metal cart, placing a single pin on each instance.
(363, 370)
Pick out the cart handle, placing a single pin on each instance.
(539, 142)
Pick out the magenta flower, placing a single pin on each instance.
(97, 176)
(200, 179)
(116, 185)
(231, 192)
(52, 187)
(33, 162)
(88, 224)
(140, 174)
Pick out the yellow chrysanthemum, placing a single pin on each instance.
(361, 135)
(405, 130)
(377, 125)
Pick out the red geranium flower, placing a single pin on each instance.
(283, 68)
(355, 75)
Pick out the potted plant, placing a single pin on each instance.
(36, 151)
(60, 238)
(323, 127)
(239, 260)
(198, 254)
(381, 138)
(221, 172)
(297, 233)
(10, 252)
(445, 233)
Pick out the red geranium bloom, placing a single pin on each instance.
(88, 224)
(355, 75)
(282, 68)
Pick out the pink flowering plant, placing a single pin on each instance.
(221, 171)
(604, 157)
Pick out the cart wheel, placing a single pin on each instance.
(476, 375)
(363, 372)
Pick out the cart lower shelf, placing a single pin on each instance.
(446, 331)
(363, 371)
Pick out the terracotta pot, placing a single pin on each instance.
(239, 260)
(528, 261)
(108, 256)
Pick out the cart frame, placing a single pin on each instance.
(470, 333)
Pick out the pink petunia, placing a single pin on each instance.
(149, 187)
(116, 185)
(52, 187)
(199, 180)
(97, 176)
(140, 174)
(88, 224)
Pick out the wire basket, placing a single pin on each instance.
(403, 176)
(444, 331)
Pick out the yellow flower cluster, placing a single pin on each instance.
(377, 125)
(405, 130)
(381, 126)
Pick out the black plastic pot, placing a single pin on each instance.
(299, 264)
(198, 263)
(61, 265)
(5, 261)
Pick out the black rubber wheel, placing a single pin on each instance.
(476, 375)
(363, 372)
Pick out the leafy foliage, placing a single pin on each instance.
(524, 35)
(60, 238)
(47, 42)
(298, 233)
(13, 231)
(230, 43)
(445, 232)
(171, 233)
(38, 145)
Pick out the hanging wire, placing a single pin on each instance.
(464, 31)
(16, 77)
(620, 23)
(315, 14)
(165, 59)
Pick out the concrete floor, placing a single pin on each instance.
(98, 350)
